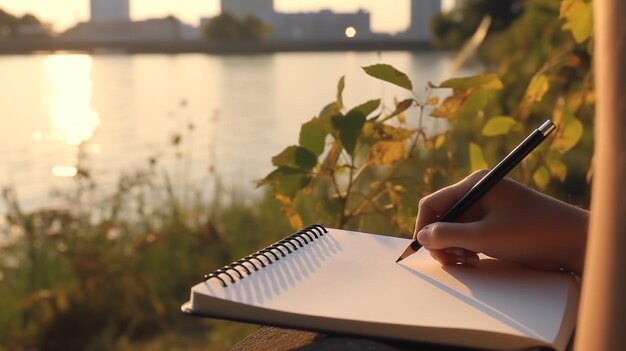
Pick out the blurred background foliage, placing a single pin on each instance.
(365, 167)
(228, 28)
(111, 273)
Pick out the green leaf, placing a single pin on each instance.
(366, 108)
(340, 86)
(578, 16)
(488, 81)
(498, 125)
(295, 156)
(537, 88)
(330, 110)
(313, 136)
(475, 103)
(568, 134)
(327, 113)
(349, 128)
(389, 74)
(477, 159)
(541, 177)
(288, 181)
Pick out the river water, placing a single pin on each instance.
(232, 113)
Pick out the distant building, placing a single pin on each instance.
(33, 30)
(110, 10)
(319, 26)
(324, 25)
(110, 22)
(151, 30)
(421, 13)
(248, 8)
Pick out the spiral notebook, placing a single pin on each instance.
(347, 282)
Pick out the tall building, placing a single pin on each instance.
(320, 26)
(246, 8)
(421, 13)
(110, 10)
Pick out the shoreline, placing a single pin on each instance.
(34, 46)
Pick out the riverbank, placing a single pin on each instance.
(50, 45)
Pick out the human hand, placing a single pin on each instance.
(511, 222)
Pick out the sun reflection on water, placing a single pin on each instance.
(72, 116)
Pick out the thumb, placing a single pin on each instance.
(442, 235)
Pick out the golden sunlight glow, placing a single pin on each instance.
(95, 148)
(64, 171)
(350, 32)
(37, 135)
(71, 114)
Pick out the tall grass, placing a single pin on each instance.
(111, 273)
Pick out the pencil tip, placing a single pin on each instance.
(399, 259)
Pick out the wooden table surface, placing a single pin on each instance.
(277, 339)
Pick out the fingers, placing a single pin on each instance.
(451, 243)
(454, 256)
(436, 204)
(440, 235)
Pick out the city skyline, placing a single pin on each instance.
(391, 16)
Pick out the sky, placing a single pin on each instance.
(386, 15)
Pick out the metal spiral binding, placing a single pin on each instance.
(235, 271)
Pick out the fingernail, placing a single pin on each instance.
(422, 236)
(469, 260)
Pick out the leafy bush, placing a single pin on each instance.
(366, 166)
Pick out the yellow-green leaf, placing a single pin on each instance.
(541, 177)
(477, 159)
(488, 81)
(387, 152)
(389, 74)
(474, 104)
(451, 105)
(557, 169)
(538, 86)
(340, 86)
(387, 132)
(440, 140)
(313, 136)
(498, 125)
(295, 221)
(295, 156)
(569, 133)
(578, 15)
